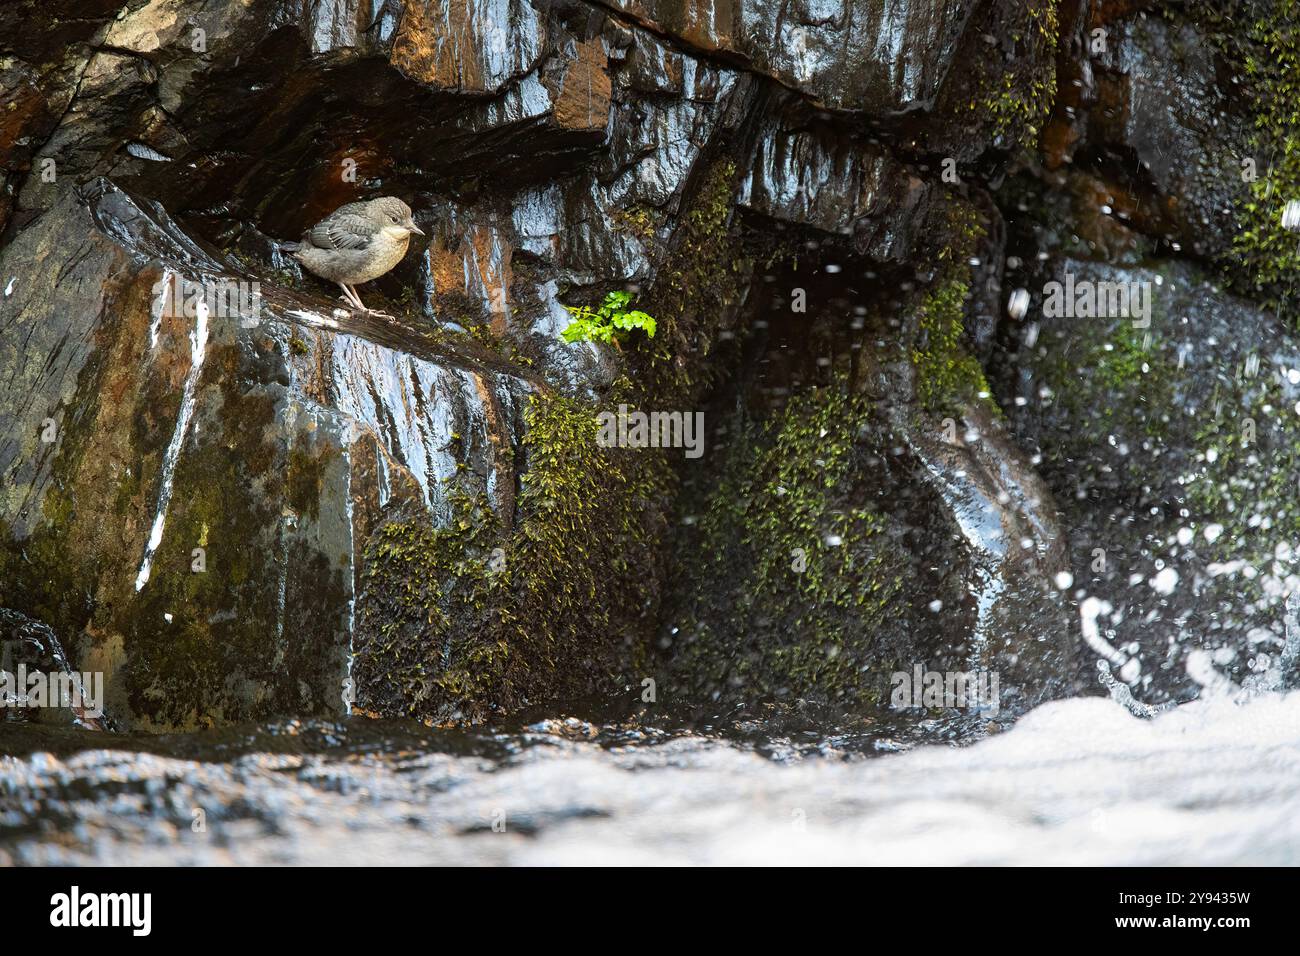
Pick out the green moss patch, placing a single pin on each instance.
(695, 286)
(1263, 40)
(790, 573)
(473, 618)
(1015, 102)
(948, 377)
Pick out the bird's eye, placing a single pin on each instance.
(394, 218)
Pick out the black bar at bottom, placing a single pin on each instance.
(334, 906)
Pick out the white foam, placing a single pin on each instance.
(1075, 782)
(1078, 781)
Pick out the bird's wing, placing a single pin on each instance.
(343, 229)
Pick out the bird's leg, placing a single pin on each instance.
(349, 296)
(362, 307)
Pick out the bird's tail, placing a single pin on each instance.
(291, 246)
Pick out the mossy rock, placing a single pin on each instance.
(192, 525)
(1173, 451)
(482, 616)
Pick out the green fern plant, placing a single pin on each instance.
(610, 322)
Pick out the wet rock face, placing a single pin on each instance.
(1165, 107)
(811, 176)
(284, 509)
(44, 49)
(187, 496)
(843, 531)
(1177, 483)
(851, 54)
(469, 47)
(1165, 436)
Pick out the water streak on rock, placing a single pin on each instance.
(198, 346)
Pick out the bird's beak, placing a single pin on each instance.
(410, 224)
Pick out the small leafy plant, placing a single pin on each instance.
(610, 322)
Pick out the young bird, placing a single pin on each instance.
(357, 242)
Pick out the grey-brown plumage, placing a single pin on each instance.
(357, 242)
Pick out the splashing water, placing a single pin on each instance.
(1121, 695)
(1269, 677)
(1077, 781)
(1214, 781)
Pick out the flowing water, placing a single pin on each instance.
(1085, 780)
(1215, 781)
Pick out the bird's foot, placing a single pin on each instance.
(378, 312)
